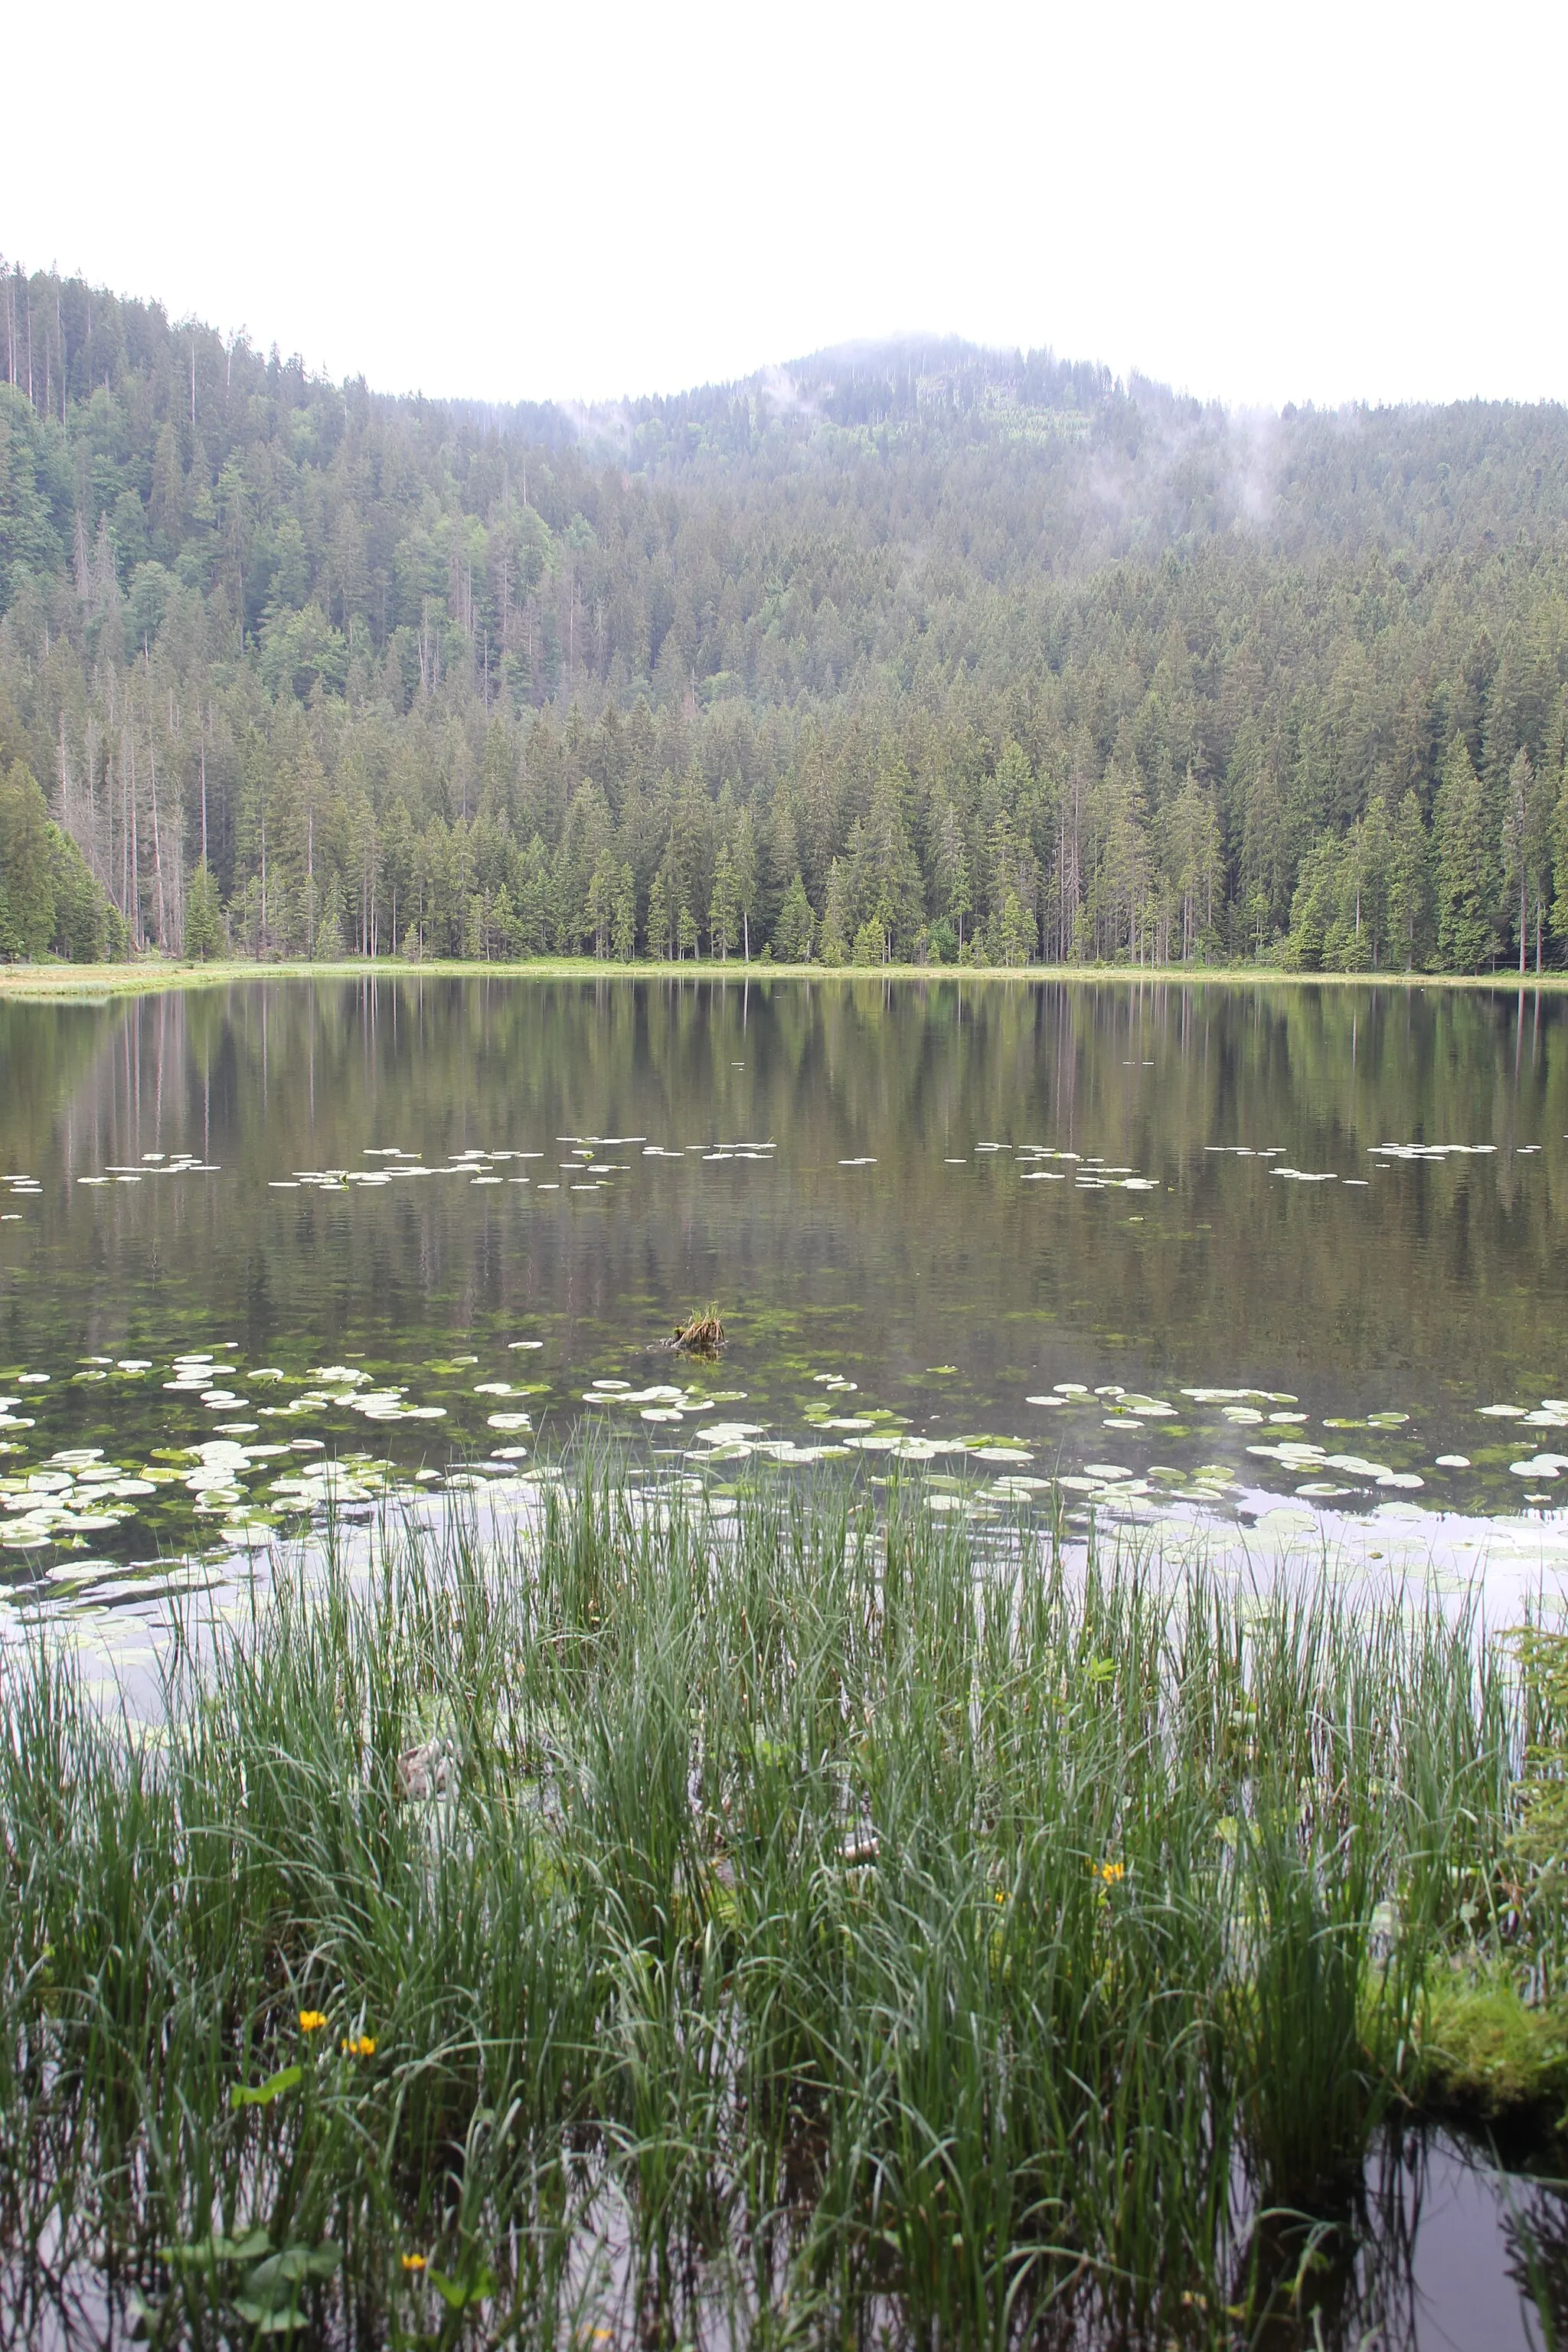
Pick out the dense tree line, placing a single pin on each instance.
(911, 653)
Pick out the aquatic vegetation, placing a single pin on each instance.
(754, 1910)
(702, 1333)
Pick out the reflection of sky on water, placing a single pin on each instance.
(1460, 2295)
(1448, 2240)
(122, 1627)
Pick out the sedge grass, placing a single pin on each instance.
(820, 1930)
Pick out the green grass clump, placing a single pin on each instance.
(786, 1924)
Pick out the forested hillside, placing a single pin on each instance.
(923, 652)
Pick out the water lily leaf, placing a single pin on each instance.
(292, 2267)
(286, 2319)
(457, 2294)
(243, 2094)
(219, 2249)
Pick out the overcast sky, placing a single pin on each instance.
(1260, 204)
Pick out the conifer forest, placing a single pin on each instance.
(894, 654)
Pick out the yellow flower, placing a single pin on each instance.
(1110, 1872)
(413, 2261)
(362, 2046)
(313, 2020)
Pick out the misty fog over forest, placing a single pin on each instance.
(917, 652)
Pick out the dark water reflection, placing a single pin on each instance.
(949, 1283)
(1447, 2252)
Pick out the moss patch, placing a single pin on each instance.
(1487, 2053)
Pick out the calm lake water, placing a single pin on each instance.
(1285, 1261)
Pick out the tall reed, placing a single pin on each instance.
(779, 1925)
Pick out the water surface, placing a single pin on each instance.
(1287, 1259)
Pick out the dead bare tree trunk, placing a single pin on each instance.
(135, 847)
(157, 848)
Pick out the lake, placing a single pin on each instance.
(1285, 1262)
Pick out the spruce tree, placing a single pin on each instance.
(204, 917)
(723, 912)
(26, 875)
(793, 932)
(658, 919)
(1466, 872)
(1409, 886)
(832, 944)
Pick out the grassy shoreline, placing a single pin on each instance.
(152, 976)
(757, 1921)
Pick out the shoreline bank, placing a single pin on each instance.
(153, 977)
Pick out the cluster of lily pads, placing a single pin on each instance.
(70, 1498)
(1088, 1171)
(1274, 1152)
(1383, 1155)
(585, 1169)
(76, 1494)
(1438, 1152)
(154, 1163)
(478, 1166)
(879, 1434)
(346, 1385)
(19, 1188)
(1296, 1454)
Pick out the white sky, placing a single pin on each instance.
(1260, 202)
